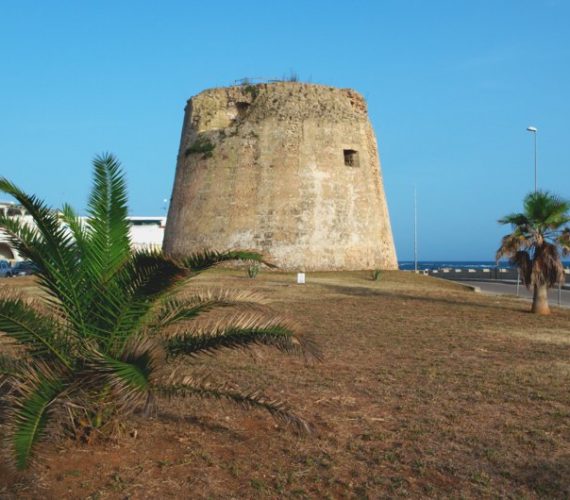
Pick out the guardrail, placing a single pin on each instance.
(485, 274)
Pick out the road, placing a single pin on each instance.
(508, 289)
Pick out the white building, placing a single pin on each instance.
(146, 232)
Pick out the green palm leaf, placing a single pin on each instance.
(37, 333)
(244, 332)
(127, 376)
(130, 305)
(51, 246)
(180, 309)
(79, 230)
(201, 261)
(30, 412)
(109, 242)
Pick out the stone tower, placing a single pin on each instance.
(289, 169)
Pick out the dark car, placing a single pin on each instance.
(24, 268)
(5, 269)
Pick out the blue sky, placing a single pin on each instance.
(451, 87)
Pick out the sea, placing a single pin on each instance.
(408, 265)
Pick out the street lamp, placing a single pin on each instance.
(533, 131)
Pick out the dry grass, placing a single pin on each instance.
(426, 390)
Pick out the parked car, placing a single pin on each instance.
(5, 269)
(24, 268)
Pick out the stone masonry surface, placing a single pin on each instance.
(289, 169)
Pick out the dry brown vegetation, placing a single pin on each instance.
(426, 389)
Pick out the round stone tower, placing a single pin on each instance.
(289, 169)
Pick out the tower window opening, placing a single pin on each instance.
(350, 158)
(242, 108)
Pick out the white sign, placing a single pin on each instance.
(300, 278)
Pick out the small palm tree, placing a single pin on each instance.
(99, 343)
(533, 246)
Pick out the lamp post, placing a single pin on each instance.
(533, 131)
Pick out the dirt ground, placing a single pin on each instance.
(426, 390)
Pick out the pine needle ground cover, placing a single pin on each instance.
(426, 389)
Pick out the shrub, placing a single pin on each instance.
(252, 90)
(293, 77)
(202, 145)
(376, 274)
(253, 270)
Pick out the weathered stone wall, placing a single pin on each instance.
(263, 167)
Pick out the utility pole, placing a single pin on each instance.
(415, 231)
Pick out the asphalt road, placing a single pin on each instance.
(508, 289)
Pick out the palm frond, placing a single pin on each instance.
(46, 219)
(511, 244)
(563, 241)
(522, 260)
(201, 261)
(128, 376)
(202, 388)
(103, 242)
(108, 223)
(78, 229)
(39, 334)
(547, 209)
(515, 219)
(52, 248)
(150, 274)
(547, 268)
(186, 308)
(29, 410)
(244, 331)
(23, 237)
(129, 305)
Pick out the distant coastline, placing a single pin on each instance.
(407, 265)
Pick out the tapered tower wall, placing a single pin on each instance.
(288, 169)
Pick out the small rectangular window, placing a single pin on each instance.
(351, 158)
(242, 108)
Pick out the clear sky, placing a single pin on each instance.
(451, 87)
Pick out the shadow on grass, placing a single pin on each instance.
(549, 479)
(368, 292)
(201, 423)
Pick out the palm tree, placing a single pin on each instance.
(99, 343)
(533, 246)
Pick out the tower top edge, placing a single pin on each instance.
(277, 86)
